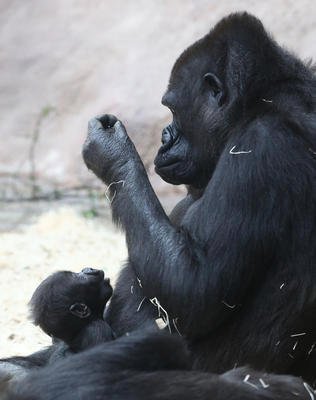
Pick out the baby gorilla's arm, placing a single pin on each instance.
(96, 332)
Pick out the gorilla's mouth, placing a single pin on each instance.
(169, 164)
(167, 171)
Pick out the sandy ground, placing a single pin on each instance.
(58, 239)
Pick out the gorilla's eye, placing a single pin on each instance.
(214, 84)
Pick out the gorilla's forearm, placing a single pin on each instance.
(133, 367)
(137, 209)
(167, 260)
(34, 360)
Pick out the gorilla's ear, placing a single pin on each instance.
(80, 310)
(215, 86)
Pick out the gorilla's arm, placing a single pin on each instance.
(158, 385)
(225, 235)
(149, 366)
(35, 360)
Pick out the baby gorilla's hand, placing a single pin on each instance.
(108, 149)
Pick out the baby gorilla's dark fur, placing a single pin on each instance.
(69, 306)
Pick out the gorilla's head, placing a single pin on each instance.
(66, 302)
(195, 96)
(210, 85)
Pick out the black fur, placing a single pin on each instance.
(69, 306)
(147, 366)
(56, 307)
(234, 265)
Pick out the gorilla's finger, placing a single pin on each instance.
(120, 129)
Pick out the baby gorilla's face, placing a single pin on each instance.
(90, 289)
(66, 301)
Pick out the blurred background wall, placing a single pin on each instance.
(64, 61)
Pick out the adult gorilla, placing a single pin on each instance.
(233, 267)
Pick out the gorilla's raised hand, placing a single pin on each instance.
(108, 148)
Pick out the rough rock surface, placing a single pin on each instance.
(62, 62)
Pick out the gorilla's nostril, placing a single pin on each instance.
(166, 136)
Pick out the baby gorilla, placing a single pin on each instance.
(69, 306)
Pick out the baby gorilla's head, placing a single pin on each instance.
(66, 302)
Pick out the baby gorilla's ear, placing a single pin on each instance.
(80, 310)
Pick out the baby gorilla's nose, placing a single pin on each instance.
(92, 271)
